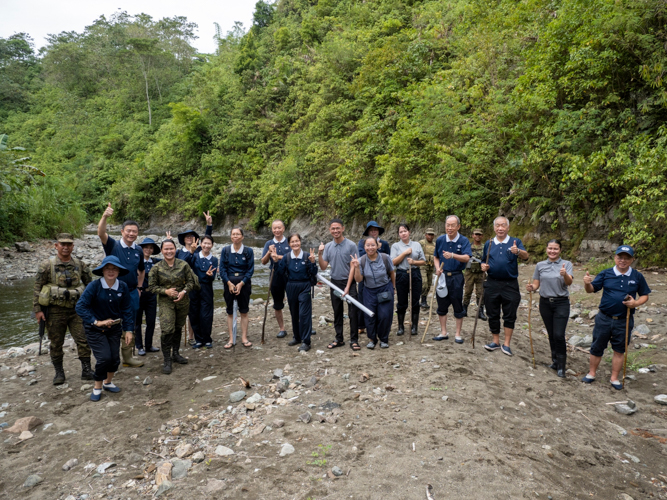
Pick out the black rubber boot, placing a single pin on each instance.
(60, 373)
(423, 303)
(415, 322)
(86, 371)
(554, 361)
(166, 353)
(465, 310)
(401, 320)
(482, 316)
(175, 345)
(561, 361)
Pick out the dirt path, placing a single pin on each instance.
(470, 423)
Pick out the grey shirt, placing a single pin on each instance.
(338, 256)
(552, 283)
(375, 272)
(399, 247)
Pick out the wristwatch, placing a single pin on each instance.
(95, 322)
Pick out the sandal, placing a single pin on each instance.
(247, 344)
(335, 344)
(355, 346)
(229, 345)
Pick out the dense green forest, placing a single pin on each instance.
(398, 109)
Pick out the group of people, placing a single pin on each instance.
(105, 316)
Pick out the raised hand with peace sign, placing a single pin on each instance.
(311, 256)
(209, 219)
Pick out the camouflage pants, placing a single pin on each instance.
(427, 278)
(476, 281)
(172, 317)
(59, 320)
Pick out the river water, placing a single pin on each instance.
(18, 328)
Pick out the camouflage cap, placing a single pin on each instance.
(477, 231)
(64, 238)
(429, 230)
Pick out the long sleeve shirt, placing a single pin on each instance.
(148, 265)
(201, 264)
(162, 277)
(73, 268)
(101, 301)
(235, 264)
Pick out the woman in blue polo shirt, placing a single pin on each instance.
(237, 265)
(553, 277)
(205, 265)
(105, 307)
(297, 268)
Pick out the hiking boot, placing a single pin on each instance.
(175, 346)
(166, 353)
(561, 365)
(86, 371)
(415, 322)
(401, 320)
(423, 303)
(481, 314)
(60, 373)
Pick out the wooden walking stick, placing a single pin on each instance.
(410, 298)
(430, 309)
(530, 335)
(481, 298)
(268, 296)
(625, 355)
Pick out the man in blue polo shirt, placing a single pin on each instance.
(453, 250)
(131, 256)
(278, 282)
(501, 288)
(620, 286)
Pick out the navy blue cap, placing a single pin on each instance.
(113, 260)
(150, 241)
(626, 249)
(373, 224)
(181, 236)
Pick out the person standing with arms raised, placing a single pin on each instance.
(552, 277)
(237, 265)
(373, 230)
(131, 256)
(453, 250)
(280, 246)
(339, 253)
(620, 286)
(501, 289)
(147, 301)
(407, 256)
(205, 265)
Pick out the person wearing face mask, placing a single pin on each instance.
(204, 265)
(501, 288)
(407, 256)
(280, 247)
(376, 270)
(171, 280)
(299, 271)
(373, 230)
(147, 301)
(552, 277)
(106, 311)
(131, 256)
(237, 265)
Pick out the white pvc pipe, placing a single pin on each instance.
(346, 298)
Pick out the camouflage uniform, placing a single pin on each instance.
(61, 314)
(474, 277)
(172, 314)
(427, 269)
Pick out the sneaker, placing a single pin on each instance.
(506, 350)
(617, 385)
(384, 345)
(192, 342)
(458, 340)
(95, 397)
(313, 332)
(141, 352)
(371, 345)
(197, 345)
(440, 337)
(282, 334)
(304, 347)
(588, 379)
(208, 345)
(153, 349)
(110, 387)
(293, 342)
(492, 346)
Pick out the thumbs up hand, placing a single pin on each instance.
(321, 248)
(514, 249)
(108, 212)
(588, 279)
(563, 272)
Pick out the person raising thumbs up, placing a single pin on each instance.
(501, 290)
(553, 277)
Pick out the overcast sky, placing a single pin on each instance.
(41, 17)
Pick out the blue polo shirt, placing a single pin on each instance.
(132, 258)
(282, 248)
(503, 264)
(384, 247)
(148, 265)
(297, 269)
(183, 253)
(200, 265)
(616, 286)
(100, 302)
(460, 245)
(235, 264)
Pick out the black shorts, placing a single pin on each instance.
(243, 298)
(454, 297)
(278, 286)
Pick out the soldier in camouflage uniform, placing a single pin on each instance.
(59, 283)
(171, 280)
(428, 245)
(473, 275)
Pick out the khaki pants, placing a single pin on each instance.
(473, 280)
(427, 278)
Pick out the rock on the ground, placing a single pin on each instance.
(336, 471)
(661, 399)
(198, 457)
(305, 417)
(286, 449)
(626, 408)
(72, 462)
(619, 429)
(163, 473)
(223, 451)
(165, 486)
(632, 457)
(86, 387)
(24, 369)
(32, 480)
(23, 246)
(26, 435)
(254, 399)
(278, 424)
(25, 424)
(625, 496)
(147, 381)
(574, 313)
(102, 468)
(310, 382)
(277, 373)
(237, 396)
(642, 330)
(593, 313)
(215, 485)
(184, 450)
(180, 469)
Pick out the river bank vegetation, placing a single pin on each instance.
(399, 109)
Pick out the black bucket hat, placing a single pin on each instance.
(150, 241)
(373, 224)
(181, 236)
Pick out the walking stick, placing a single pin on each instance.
(530, 335)
(234, 321)
(430, 309)
(481, 297)
(187, 333)
(625, 356)
(410, 299)
(268, 296)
